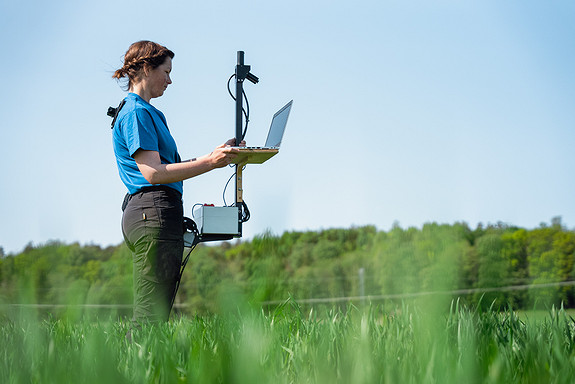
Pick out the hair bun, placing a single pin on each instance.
(140, 56)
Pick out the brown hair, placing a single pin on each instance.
(142, 56)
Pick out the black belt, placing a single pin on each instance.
(153, 188)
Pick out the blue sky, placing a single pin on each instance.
(404, 111)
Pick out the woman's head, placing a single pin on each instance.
(142, 57)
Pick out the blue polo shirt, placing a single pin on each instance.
(140, 125)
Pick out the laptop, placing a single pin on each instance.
(257, 155)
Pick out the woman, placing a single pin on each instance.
(150, 167)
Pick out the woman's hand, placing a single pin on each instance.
(223, 155)
(232, 143)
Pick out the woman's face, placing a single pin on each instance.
(158, 79)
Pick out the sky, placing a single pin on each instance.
(405, 112)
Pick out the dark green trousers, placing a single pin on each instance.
(152, 225)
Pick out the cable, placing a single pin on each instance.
(189, 224)
(245, 111)
(246, 114)
(182, 268)
(194, 206)
(226, 187)
(229, 91)
(245, 212)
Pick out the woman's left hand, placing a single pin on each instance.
(232, 143)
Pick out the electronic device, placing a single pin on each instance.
(213, 220)
(258, 155)
(277, 128)
(210, 223)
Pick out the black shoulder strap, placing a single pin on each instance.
(113, 112)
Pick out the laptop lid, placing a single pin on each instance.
(278, 126)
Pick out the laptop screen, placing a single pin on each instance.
(278, 126)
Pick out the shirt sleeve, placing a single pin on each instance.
(140, 131)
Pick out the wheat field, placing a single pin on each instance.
(410, 343)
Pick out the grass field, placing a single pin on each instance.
(409, 344)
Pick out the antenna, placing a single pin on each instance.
(242, 73)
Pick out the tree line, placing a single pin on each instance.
(489, 265)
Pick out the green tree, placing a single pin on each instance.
(493, 271)
(550, 254)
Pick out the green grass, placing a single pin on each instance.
(535, 316)
(410, 344)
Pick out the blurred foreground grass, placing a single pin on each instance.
(355, 345)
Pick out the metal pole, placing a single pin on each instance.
(239, 96)
(239, 128)
(242, 73)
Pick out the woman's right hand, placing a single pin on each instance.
(223, 155)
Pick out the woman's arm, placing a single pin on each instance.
(155, 172)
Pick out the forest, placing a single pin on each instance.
(496, 265)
